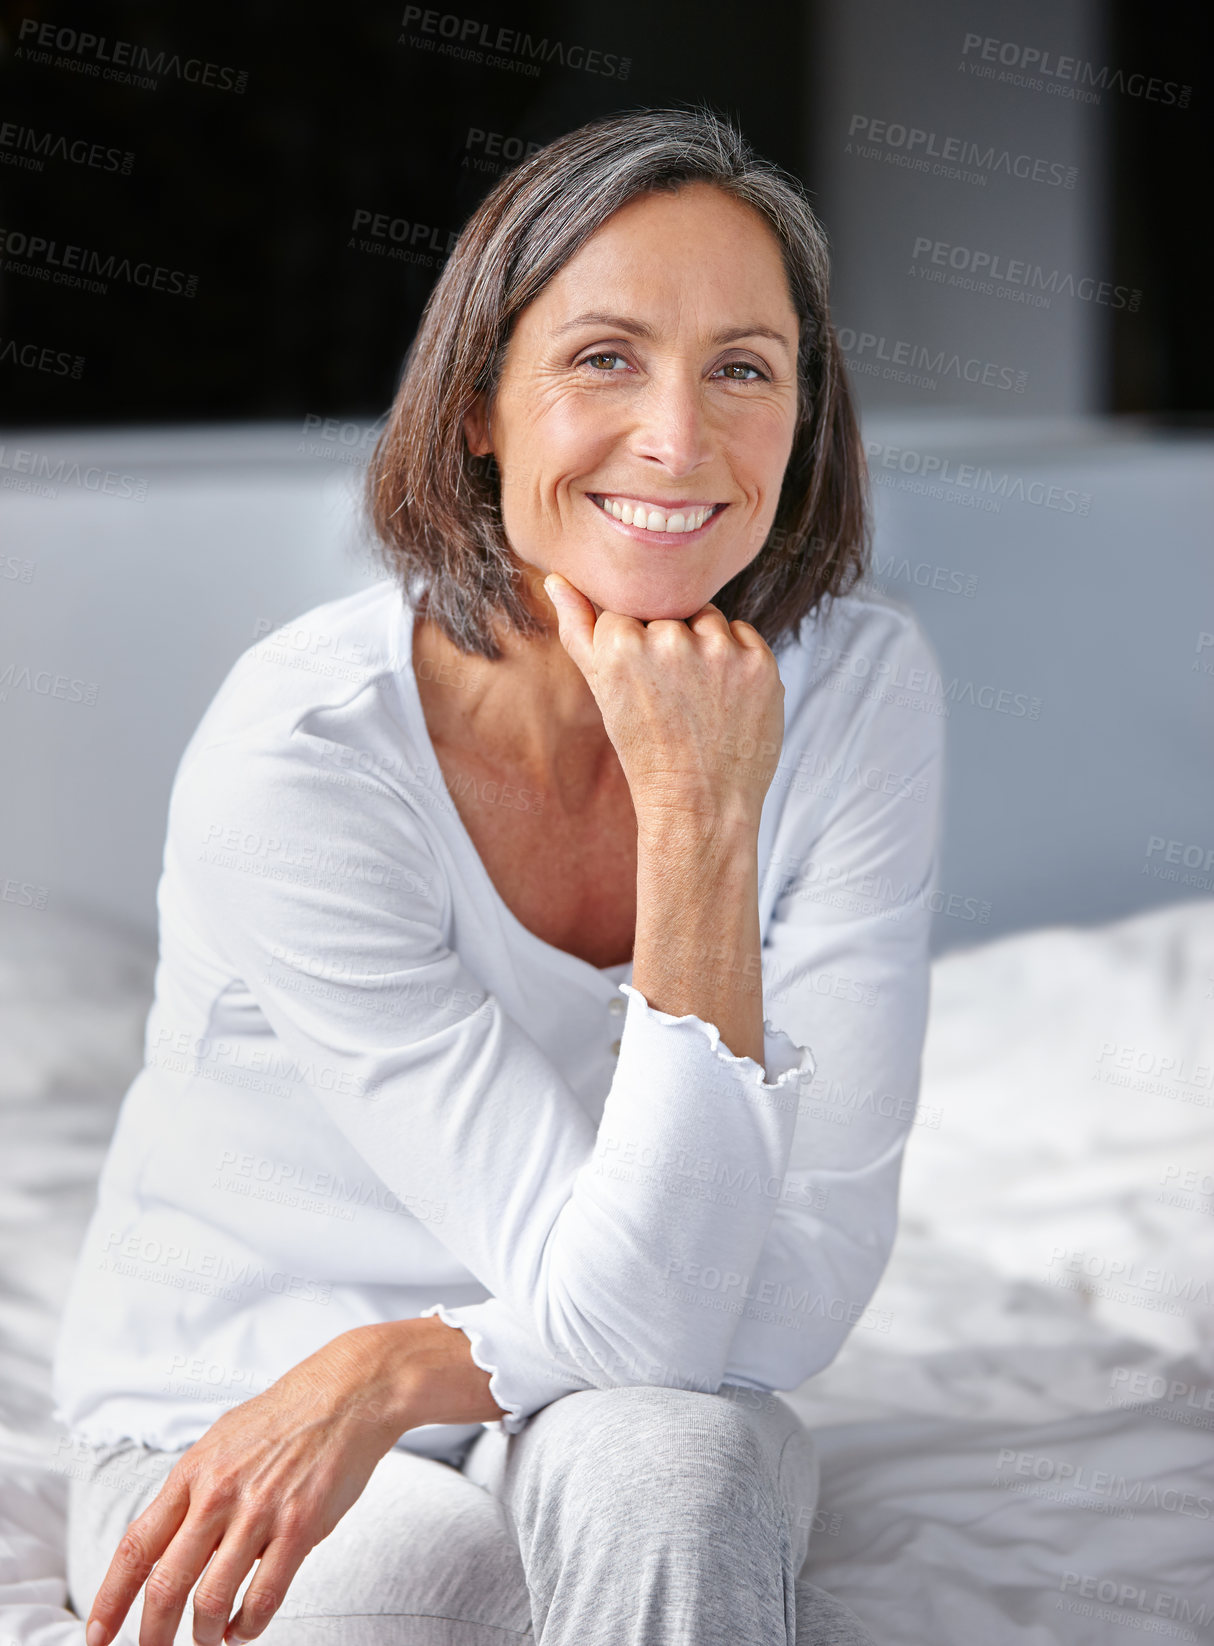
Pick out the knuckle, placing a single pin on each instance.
(132, 1554)
(209, 1604)
(292, 1522)
(216, 1494)
(164, 1589)
(615, 638)
(260, 1605)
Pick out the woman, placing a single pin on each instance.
(482, 1186)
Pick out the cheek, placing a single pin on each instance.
(573, 443)
(756, 447)
(768, 446)
(538, 422)
(573, 437)
(565, 439)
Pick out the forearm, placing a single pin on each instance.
(696, 951)
(697, 946)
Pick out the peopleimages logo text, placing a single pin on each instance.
(469, 37)
(1014, 271)
(984, 157)
(48, 259)
(126, 54)
(863, 348)
(1035, 60)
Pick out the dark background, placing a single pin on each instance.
(255, 193)
(1160, 226)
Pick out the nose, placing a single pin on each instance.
(671, 423)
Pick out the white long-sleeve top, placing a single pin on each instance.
(370, 1093)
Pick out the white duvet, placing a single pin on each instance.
(1017, 1444)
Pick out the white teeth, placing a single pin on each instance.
(653, 520)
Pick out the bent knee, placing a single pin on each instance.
(650, 1438)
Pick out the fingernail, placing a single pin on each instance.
(97, 1634)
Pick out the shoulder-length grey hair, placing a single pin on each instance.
(434, 508)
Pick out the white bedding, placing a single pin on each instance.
(1017, 1443)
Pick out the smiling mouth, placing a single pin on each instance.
(648, 519)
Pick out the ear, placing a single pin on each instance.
(476, 428)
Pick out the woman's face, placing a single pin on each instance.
(657, 373)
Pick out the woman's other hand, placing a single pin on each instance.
(273, 1476)
(694, 708)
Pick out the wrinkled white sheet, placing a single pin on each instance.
(1017, 1444)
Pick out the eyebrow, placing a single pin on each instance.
(639, 328)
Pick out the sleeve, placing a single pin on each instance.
(847, 968)
(292, 866)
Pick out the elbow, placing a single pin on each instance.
(784, 1362)
(653, 1343)
(784, 1348)
(819, 1351)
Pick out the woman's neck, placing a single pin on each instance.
(531, 711)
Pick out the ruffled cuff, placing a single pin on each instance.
(785, 1064)
(522, 1376)
(674, 1082)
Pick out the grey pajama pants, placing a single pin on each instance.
(638, 1516)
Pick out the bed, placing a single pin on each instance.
(1018, 1440)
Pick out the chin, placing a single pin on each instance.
(630, 599)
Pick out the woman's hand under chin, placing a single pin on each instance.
(694, 708)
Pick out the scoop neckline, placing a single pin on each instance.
(623, 967)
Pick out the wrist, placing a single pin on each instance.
(377, 1375)
(444, 1384)
(415, 1371)
(722, 826)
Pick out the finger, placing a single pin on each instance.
(705, 621)
(217, 1588)
(139, 1548)
(175, 1574)
(709, 619)
(276, 1571)
(747, 635)
(575, 619)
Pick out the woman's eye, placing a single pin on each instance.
(729, 366)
